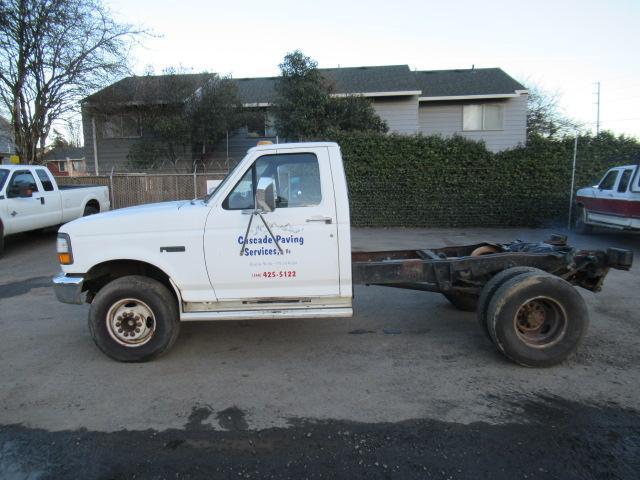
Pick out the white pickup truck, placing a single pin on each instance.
(613, 203)
(273, 241)
(30, 199)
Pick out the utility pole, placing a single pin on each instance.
(597, 93)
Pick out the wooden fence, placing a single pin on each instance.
(136, 189)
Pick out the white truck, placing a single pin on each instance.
(30, 199)
(613, 203)
(273, 241)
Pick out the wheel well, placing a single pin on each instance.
(103, 273)
(93, 203)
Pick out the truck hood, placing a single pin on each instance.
(153, 217)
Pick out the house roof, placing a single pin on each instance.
(150, 89)
(63, 153)
(369, 81)
(475, 81)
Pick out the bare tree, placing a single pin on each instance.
(53, 53)
(544, 117)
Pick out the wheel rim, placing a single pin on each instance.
(131, 322)
(540, 322)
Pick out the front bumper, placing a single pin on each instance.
(68, 289)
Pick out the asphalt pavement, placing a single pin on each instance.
(407, 388)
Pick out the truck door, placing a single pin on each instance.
(25, 211)
(303, 226)
(603, 208)
(50, 199)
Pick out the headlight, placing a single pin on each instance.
(65, 254)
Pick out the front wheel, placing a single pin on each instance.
(536, 319)
(581, 226)
(134, 319)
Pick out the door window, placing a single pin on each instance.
(45, 180)
(609, 180)
(296, 177)
(20, 182)
(242, 196)
(624, 180)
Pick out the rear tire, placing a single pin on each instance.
(90, 210)
(134, 319)
(467, 302)
(490, 289)
(580, 225)
(537, 320)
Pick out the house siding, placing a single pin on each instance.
(400, 113)
(113, 152)
(445, 119)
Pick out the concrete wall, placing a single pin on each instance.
(445, 118)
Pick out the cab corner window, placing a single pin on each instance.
(45, 180)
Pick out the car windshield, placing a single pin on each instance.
(4, 173)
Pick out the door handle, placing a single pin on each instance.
(320, 219)
(41, 200)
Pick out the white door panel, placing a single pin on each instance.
(304, 226)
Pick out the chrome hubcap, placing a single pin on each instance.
(131, 322)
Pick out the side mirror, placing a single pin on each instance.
(266, 195)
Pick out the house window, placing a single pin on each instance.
(482, 117)
(122, 125)
(62, 167)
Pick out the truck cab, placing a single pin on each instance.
(295, 259)
(30, 199)
(613, 203)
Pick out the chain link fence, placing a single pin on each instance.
(138, 188)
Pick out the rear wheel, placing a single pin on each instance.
(90, 210)
(466, 302)
(492, 286)
(134, 319)
(537, 320)
(580, 223)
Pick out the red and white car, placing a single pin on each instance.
(612, 203)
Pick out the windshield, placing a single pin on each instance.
(4, 173)
(226, 179)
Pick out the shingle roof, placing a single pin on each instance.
(478, 81)
(351, 80)
(150, 89)
(62, 153)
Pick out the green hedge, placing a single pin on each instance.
(399, 180)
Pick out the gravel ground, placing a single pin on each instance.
(407, 388)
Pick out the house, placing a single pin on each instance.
(66, 161)
(7, 146)
(482, 104)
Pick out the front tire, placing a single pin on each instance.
(134, 319)
(537, 320)
(581, 226)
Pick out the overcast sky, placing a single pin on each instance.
(563, 46)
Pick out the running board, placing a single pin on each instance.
(268, 314)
